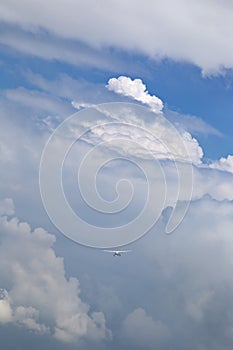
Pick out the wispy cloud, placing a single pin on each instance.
(39, 101)
(191, 123)
(46, 46)
(149, 30)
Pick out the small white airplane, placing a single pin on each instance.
(117, 252)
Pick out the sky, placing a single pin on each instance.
(116, 133)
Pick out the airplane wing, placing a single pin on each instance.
(109, 251)
(124, 251)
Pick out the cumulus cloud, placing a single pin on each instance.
(166, 292)
(165, 146)
(171, 293)
(191, 296)
(35, 291)
(225, 164)
(24, 161)
(25, 316)
(5, 308)
(145, 144)
(135, 89)
(150, 135)
(203, 286)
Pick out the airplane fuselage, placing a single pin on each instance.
(117, 254)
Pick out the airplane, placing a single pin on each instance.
(117, 252)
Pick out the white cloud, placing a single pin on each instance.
(225, 164)
(81, 93)
(141, 330)
(5, 308)
(135, 89)
(198, 32)
(66, 87)
(186, 284)
(84, 94)
(217, 184)
(26, 316)
(7, 207)
(80, 105)
(39, 296)
(173, 285)
(190, 295)
(191, 123)
(166, 145)
(45, 47)
(21, 181)
(145, 144)
(150, 135)
(39, 101)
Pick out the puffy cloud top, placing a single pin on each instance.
(153, 134)
(225, 164)
(135, 89)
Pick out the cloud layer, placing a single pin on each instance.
(197, 32)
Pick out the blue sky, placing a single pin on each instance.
(169, 137)
(180, 85)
